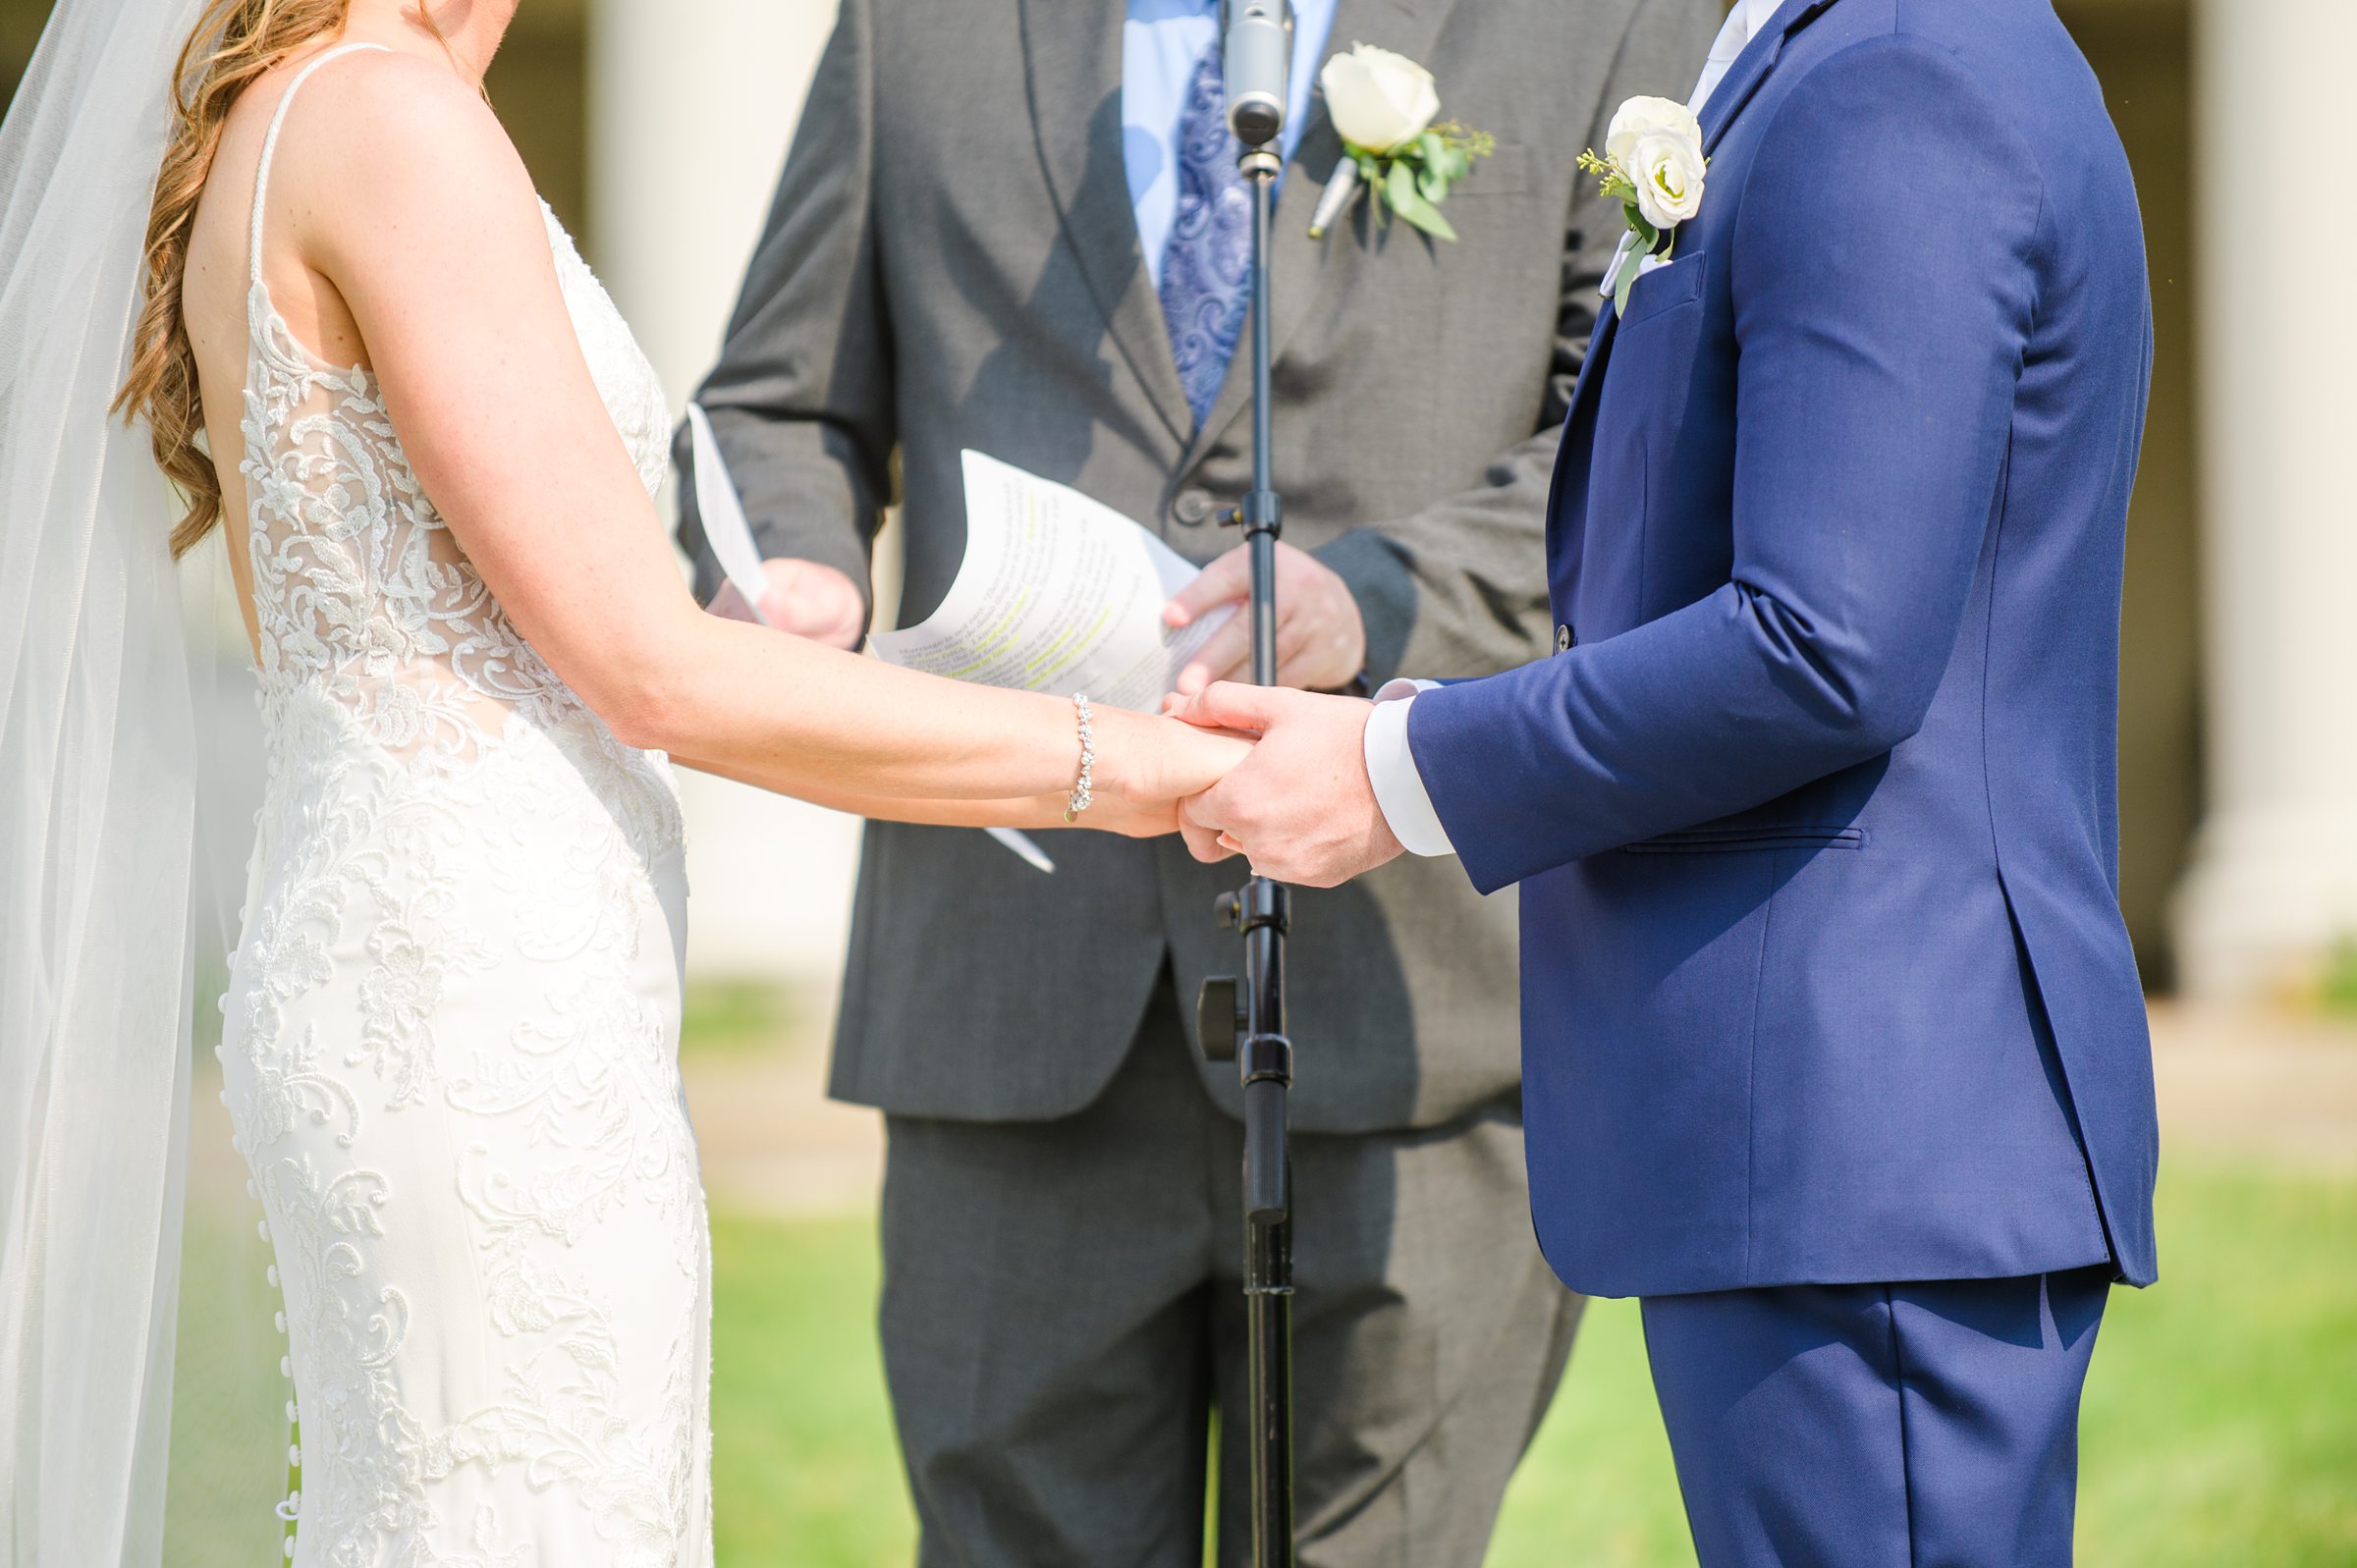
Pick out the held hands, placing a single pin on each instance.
(1321, 641)
(1145, 765)
(1300, 807)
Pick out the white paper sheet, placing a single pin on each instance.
(1057, 594)
(722, 512)
(730, 537)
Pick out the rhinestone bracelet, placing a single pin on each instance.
(1083, 791)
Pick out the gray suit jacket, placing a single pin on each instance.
(952, 262)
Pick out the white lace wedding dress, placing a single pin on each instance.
(452, 1025)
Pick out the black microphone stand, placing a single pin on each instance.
(1246, 1025)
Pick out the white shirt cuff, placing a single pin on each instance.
(1392, 769)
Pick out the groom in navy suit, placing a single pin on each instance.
(1834, 1046)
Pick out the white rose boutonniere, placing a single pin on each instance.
(1653, 165)
(1383, 105)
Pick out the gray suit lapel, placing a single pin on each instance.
(1302, 269)
(1072, 56)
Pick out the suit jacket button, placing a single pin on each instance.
(1564, 639)
(1194, 508)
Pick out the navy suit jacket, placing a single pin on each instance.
(1824, 974)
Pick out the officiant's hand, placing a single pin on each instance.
(1301, 806)
(807, 598)
(1321, 640)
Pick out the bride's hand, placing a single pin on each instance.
(1145, 765)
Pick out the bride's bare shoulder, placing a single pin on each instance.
(381, 138)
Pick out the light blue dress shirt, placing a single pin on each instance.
(1161, 43)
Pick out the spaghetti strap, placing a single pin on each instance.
(261, 170)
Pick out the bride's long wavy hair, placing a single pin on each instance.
(234, 42)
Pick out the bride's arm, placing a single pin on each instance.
(419, 212)
(1140, 818)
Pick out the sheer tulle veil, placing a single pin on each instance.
(97, 805)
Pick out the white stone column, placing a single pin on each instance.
(2274, 885)
(691, 105)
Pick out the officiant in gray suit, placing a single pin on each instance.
(1017, 226)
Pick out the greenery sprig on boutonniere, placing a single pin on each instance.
(1385, 105)
(1653, 165)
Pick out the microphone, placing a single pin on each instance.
(1259, 56)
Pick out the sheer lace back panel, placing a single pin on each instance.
(361, 594)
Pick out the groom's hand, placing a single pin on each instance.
(1321, 641)
(807, 598)
(1301, 807)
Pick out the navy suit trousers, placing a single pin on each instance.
(1907, 1426)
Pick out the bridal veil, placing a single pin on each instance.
(97, 806)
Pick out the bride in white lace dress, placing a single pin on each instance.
(452, 1022)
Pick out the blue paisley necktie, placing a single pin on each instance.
(1206, 266)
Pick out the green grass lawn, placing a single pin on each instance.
(2221, 1422)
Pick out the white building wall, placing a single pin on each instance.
(2274, 886)
(691, 105)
